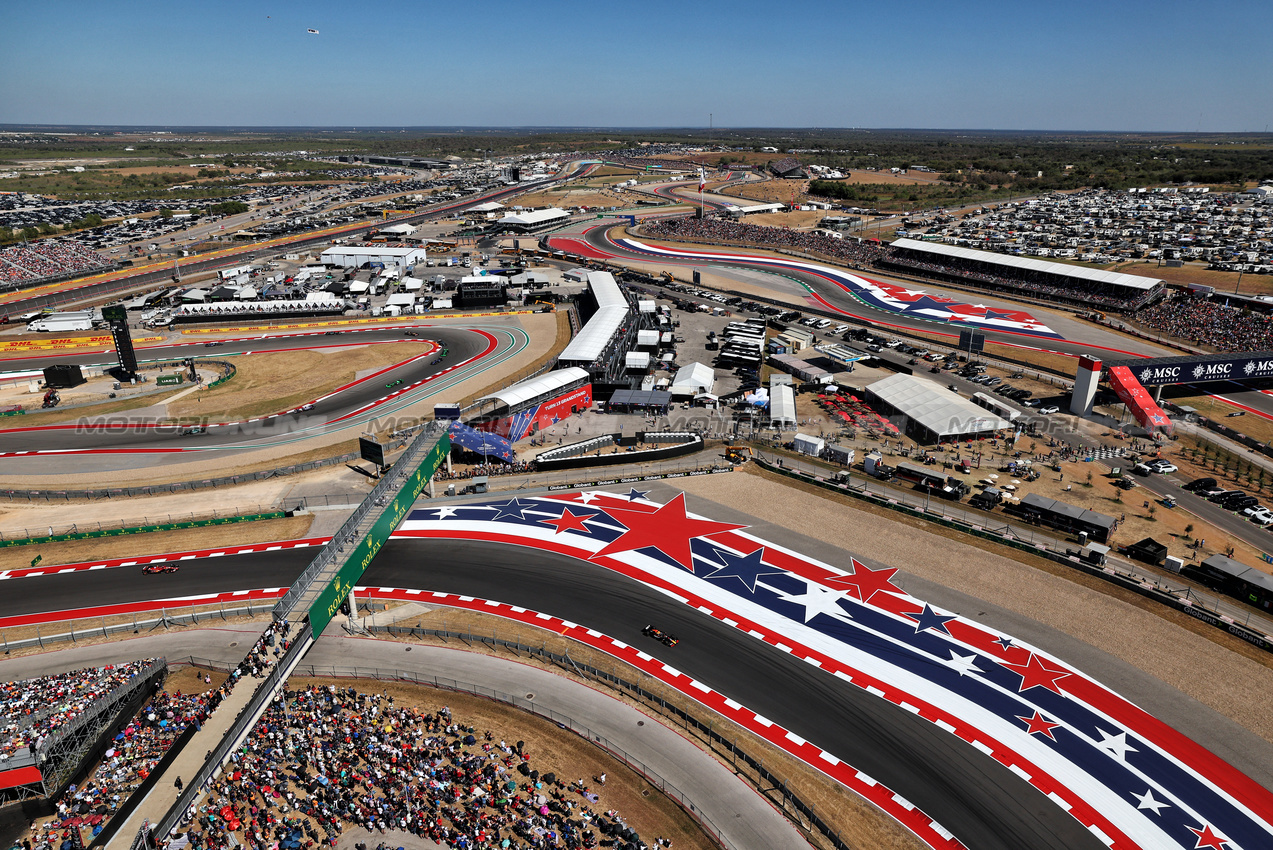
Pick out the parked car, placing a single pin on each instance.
(1049, 410)
(1219, 496)
(1162, 467)
(1200, 484)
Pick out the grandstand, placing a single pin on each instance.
(51, 726)
(1024, 276)
(611, 322)
(527, 407)
(49, 259)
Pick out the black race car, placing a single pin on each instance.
(660, 635)
(152, 569)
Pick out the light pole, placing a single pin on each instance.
(1235, 289)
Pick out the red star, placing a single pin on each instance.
(1208, 838)
(1036, 673)
(667, 529)
(866, 582)
(568, 522)
(1039, 725)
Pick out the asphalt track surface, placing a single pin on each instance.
(1110, 346)
(980, 801)
(128, 278)
(335, 410)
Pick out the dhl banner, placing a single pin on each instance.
(59, 343)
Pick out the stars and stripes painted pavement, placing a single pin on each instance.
(910, 302)
(1129, 778)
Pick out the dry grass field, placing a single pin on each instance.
(269, 383)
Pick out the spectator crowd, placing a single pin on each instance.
(32, 709)
(720, 230)
(324, 759)
(517, 467)
(1040, 285)
(131, 757)
(47, 258)
(1205, 322)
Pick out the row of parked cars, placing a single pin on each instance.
(1231, 500)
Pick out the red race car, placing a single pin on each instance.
(660, 635)
(151, 569)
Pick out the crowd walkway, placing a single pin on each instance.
(746, 818)
(187, 762)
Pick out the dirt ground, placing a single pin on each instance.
(797, 220)
(104, 548)
(276, 381)
(1208, 665)
(550, 750)
(859, 823)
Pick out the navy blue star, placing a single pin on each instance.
(513, 508)
(1005, 642)
(556, 419)
(930, 619)
(924, 302)
(991, 314)
(635, 494)
(745, 568)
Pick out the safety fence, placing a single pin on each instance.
(764, 779)
(806, 814)
(1180, 597)
(176, 486)
(170, 616)
(76, 534)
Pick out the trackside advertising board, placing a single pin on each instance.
(328, 602)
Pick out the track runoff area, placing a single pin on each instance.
(1118, 775)
(968, 736)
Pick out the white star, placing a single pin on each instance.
(445, 512)
(1147, 801)
(963, 663)
(816, 600)
(587, 498)
(980, 307)
(909, 292)
(1115, 745)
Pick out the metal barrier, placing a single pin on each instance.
(765, 779)
(562, 720)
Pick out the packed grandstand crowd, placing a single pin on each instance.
(324, 759)
(141, 741)
(47, 258)
(1208, 323)
(32, 709)
(1027, 283)
(128, 761)
(852, 251)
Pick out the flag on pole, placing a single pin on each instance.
(702, 181)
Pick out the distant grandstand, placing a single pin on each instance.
(1039, 279)
(48, 259)
(611, 322)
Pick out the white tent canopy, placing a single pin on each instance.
(693, 379)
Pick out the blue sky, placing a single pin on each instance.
(1073, 65)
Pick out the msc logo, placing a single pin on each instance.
(1253, 366)
(1159, 373)
(1205, 371)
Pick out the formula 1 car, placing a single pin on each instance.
(152, 569)
(660, 635)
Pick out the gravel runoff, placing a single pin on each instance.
(1234, 686)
